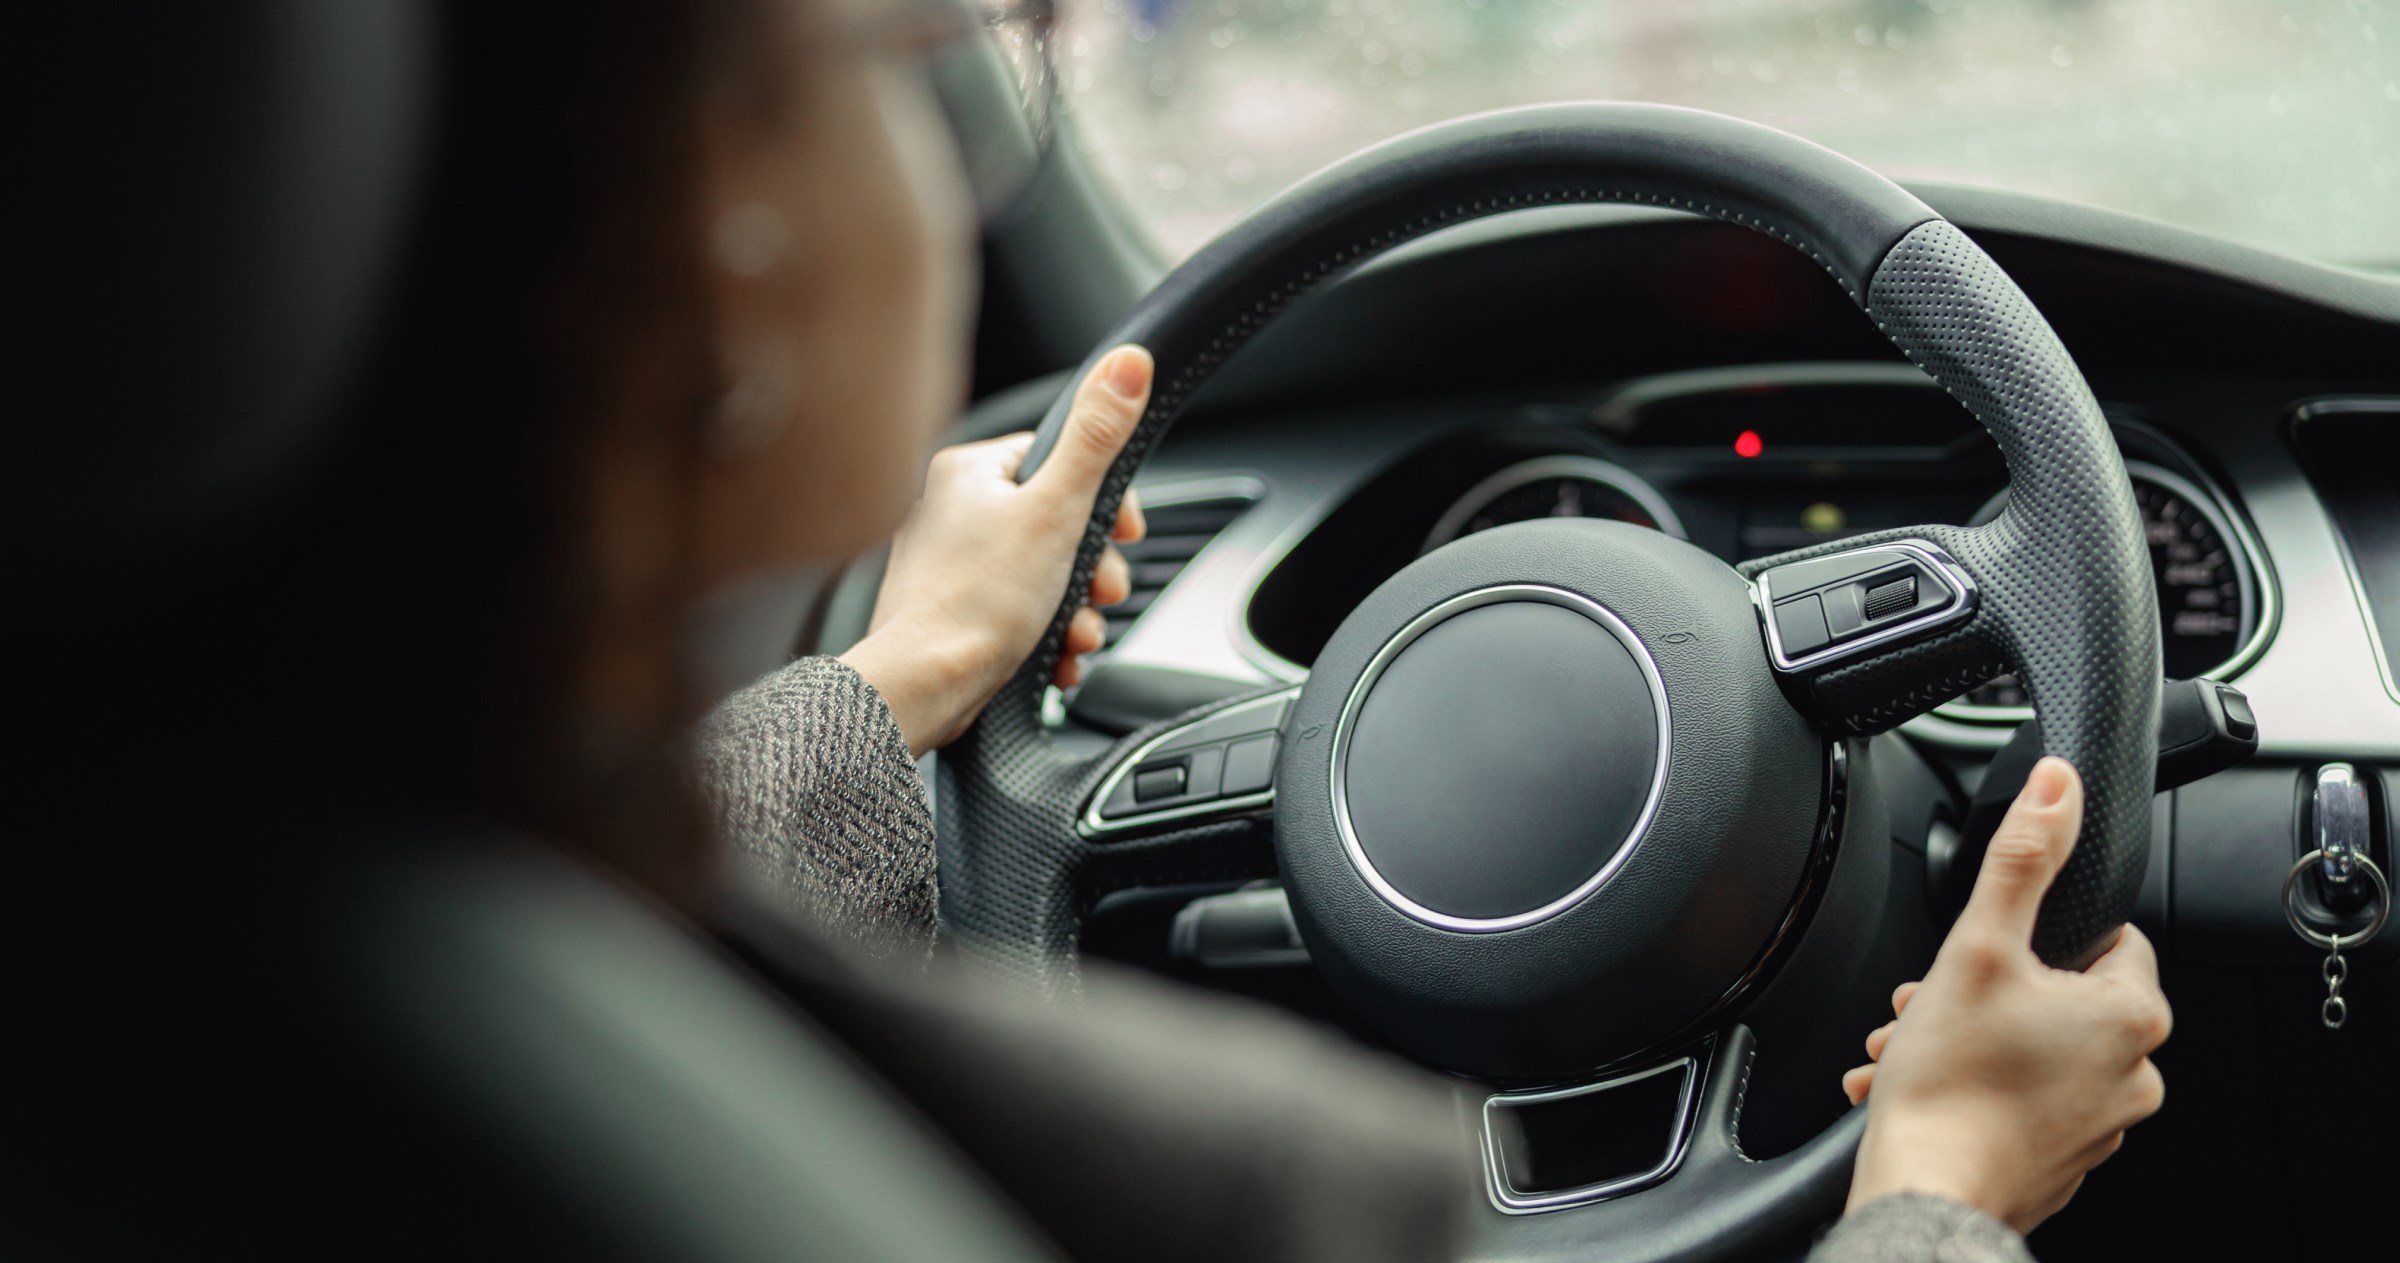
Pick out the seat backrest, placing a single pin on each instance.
(671, 1106)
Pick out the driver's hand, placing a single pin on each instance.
(977, 569)
(2003, 1081)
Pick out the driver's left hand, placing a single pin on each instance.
(977, 568)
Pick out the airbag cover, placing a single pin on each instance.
(1499, 763)
(1502, 759)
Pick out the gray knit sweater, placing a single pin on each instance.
(820, 805)
(822, 809)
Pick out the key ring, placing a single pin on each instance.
(2336, 942)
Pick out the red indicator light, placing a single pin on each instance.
(1747, 444)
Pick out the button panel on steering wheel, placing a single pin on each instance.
(1831, 608)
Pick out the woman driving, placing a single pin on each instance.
(738, 322)
(1999, 1082)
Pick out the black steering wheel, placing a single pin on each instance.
(1555, 796)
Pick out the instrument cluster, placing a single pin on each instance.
(1757, 461)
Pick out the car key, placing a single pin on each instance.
(2336, 1010)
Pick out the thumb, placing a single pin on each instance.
(2027, 851)
(1109, 403)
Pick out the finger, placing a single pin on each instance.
(1108, 405)
(1857, 1081)
(2025, 854)
(1878, 1038)
(1131, 525)
(1080, 640)
(1112, 581)
(1086, 631)
(2146, 1095)
(1901, 995)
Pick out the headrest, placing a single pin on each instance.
(221, 194)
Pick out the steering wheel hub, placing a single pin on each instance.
(1500, 758)
(1542, 803)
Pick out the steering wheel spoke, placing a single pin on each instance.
(1027, 845)
(1876, 630)
(1708, 1197)
(1210, 763)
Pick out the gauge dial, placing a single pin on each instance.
(1555, 486)
(2206, 607)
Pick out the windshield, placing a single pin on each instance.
(2272, 123)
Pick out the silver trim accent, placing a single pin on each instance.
(1509, 1201)
(1963, 598)
(1168, 495)
(1401, 640)
(2341, 541)
(1091, 825)
(2340, 811)
(2315, 937)
(2260, 609)
(1277, 551)
(1570, 465)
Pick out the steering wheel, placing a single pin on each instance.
(1556, 796)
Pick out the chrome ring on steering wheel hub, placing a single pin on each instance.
(1524, 695)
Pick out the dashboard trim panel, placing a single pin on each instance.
(2379, 405)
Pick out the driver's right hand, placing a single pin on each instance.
(2001, 1082)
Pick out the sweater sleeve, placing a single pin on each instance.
(1920, 1228)
(817, 802)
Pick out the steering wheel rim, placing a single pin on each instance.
(2061, 579)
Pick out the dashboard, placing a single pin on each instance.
(1655, 369)
(1759, 460)
(1703, 381)
(2207, 576)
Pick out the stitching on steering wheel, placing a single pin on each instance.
(1915, 701)
(1741, 1094)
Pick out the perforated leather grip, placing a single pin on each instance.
(2069, 601)
(2068, 598)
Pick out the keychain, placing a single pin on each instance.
(2336, 1010)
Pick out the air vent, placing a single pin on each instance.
(1179, 529)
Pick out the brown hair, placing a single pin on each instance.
(608, 357)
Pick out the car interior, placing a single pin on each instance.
(1574, 470)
